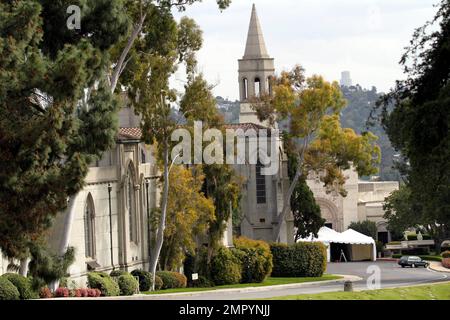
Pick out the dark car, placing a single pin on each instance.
(413, 262)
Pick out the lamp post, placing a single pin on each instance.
(110, 226)
(147, 185)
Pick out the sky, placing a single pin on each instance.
(365, 37)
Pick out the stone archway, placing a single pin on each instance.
(330, 213)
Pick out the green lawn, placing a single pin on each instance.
(268, 282)
(431, 292)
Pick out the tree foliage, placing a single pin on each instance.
(312, 107)
(222, 184)
(56, 110)
(189, 214)
(366, 227)
(419, 124)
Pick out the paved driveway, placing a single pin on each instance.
(392, 275)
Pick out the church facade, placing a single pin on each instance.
(263, 197)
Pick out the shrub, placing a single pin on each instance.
(128, 285)
(93, 293)
(117, 273)
(302, 259)
(196, 263)
(427, 258)
(256, 259)
(254, 265)
(104, 283)
(225, 268)
(172, 280)
(62, 293)
(446, 263)
(202, 282)
(45, 293)
(446, 254)
(145, 279)
(22, 284)
(7, 290)
(83, 293)
(158, 283)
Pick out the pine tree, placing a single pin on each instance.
(57, 113)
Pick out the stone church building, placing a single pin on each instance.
(263, 197)
(107, 221)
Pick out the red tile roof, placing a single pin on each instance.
(129, 134)
(125, 134)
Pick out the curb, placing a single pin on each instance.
(344, 279)
(440, 269)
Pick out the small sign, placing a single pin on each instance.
(195, 276)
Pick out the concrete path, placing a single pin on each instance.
(391, 275)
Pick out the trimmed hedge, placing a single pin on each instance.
(255, 258)
(128, 285)
(427, 258)
(299, 260)
(22, 284)
(104, 283)
(145, 280)
(7, 290)
(225, 268)
(413, 237)
(172, 280)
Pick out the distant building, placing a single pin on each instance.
(346, 80)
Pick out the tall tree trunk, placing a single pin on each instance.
(23, 270)
(121, 63)
(162, 223)
(287, 198)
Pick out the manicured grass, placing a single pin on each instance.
(268, 282)
(431, 292)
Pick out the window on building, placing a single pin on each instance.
(270, 85)
(257, 87)
(245, 89)
(260, 185)
(143, 157)
(89, 228)
(131, 206)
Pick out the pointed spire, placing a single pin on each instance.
(256, 47)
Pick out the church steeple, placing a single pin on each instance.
(256, 46)
(256, 69)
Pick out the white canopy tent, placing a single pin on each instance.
(361, 247)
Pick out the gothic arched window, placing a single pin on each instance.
(131, 206)
(257, 87)
(244, 89)
(89, 227)
(261, 196)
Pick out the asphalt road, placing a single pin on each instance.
(390, 273)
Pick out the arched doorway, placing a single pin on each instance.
(330, 212)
